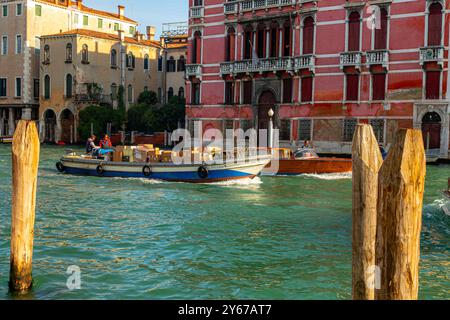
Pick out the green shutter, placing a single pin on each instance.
(100, 23)
(38, 10)
(85, 20)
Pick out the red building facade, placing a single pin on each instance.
(322, 66)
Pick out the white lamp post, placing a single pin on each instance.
(270, 138)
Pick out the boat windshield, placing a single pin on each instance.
(305, 153)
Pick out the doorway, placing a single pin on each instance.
(431, 130)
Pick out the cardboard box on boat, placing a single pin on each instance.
(117, 156)
(166, 156)
(128, 152)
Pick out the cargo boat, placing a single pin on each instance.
(160, 167)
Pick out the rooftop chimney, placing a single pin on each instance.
(79, 4)
(151, 33)
(121, 11)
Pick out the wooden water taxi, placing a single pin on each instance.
(158, 165)
(305, 161)
(446, 194)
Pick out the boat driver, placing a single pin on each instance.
(90, 144)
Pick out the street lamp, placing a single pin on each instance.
(271, 113)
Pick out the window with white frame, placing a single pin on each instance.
(18, 44)
(3, 90)
(4, 45)
(19, 8)
(18, 91)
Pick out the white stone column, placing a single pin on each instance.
(280, 47)
(11, 122)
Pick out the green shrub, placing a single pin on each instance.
(99, 116)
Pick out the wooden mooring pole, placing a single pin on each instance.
(367, 161)
(400, 198)
(25, 160)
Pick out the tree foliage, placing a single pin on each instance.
(99, 116)
(149, 118)
(148, 97)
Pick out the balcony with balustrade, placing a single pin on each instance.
(197, 12)
(377, 57)
(242, 6)
(193, 70)
(350, 59)
(306, 61)
(257, 66)
(432, 54)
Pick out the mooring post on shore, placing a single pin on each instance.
(367, 161)
(25, 161)
(401, 183)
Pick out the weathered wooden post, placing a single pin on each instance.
(400, 197)
(367, 161)
(25, 160)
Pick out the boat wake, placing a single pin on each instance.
(438, 204)
(239, 183)
(329, 176)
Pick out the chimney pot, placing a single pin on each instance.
(151, 33)
(121, 11)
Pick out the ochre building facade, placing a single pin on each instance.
(83, 67)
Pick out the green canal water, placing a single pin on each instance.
(269, 238)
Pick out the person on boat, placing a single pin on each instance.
(306, 144)
(106, 143)
(90, 144)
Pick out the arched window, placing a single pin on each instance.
(85, 54)
(274, 39)
(160, 63)
(131, 61)
(287, 38)
(354, 31)
(197, 48)
(181, 93)
(146, 62)
(113, 91)
(170, 94)
(69, 85)
(308, 35)
(248, 42)
(181, 64)
(113, 58)
(171, 64)
(130, 93)
(230, 45)
(46, 53)
(47, 87)
(381, 33)
(69, 52)
(435, 24)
